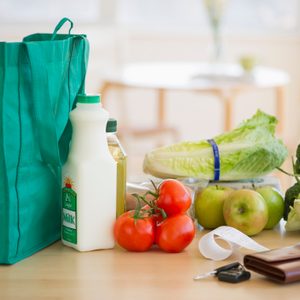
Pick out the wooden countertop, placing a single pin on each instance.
(59, 272)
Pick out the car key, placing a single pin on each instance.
(234, 275)
(215, 272)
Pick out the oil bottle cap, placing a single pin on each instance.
(88, 99)
(111, 125)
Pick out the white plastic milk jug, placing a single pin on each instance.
(89, 180)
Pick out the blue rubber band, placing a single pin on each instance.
(216, 159)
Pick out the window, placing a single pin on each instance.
(268, 16)
(263, 16)
(30, 11)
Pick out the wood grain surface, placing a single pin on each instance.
(58, 272)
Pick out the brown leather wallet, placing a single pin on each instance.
(281, 265)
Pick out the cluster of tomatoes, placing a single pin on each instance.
(163, 220)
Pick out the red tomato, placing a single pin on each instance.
(174, 198)
(134, 234)
(175, 233)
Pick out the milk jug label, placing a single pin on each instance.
(69, 211)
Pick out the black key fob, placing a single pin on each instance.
(234, 275)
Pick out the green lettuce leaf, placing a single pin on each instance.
(293, 221)
(249, 151)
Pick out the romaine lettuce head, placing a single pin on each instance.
(249, 151)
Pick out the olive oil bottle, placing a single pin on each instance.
(120, 157)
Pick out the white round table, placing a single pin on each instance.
(225, 81)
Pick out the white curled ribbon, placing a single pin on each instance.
(235, 239)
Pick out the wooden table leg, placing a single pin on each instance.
(103, 91)
(228, 97)
(161, 108)
(228, 113)
(280, 99)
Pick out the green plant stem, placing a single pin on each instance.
(137, 211)
(155, 188)
(294, 169)
(296, 176)
(152, 205)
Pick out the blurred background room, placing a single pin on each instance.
(173, 70)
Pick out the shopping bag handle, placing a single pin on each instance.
(40, 98)
(59, 26)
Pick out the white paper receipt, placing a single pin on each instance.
(235, 239)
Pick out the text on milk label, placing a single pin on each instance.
(69, 215)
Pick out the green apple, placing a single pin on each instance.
(275, 205)
(209, 206)
(246, 210)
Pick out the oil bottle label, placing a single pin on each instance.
(69, 217)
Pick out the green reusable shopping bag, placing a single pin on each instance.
(39, 80)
